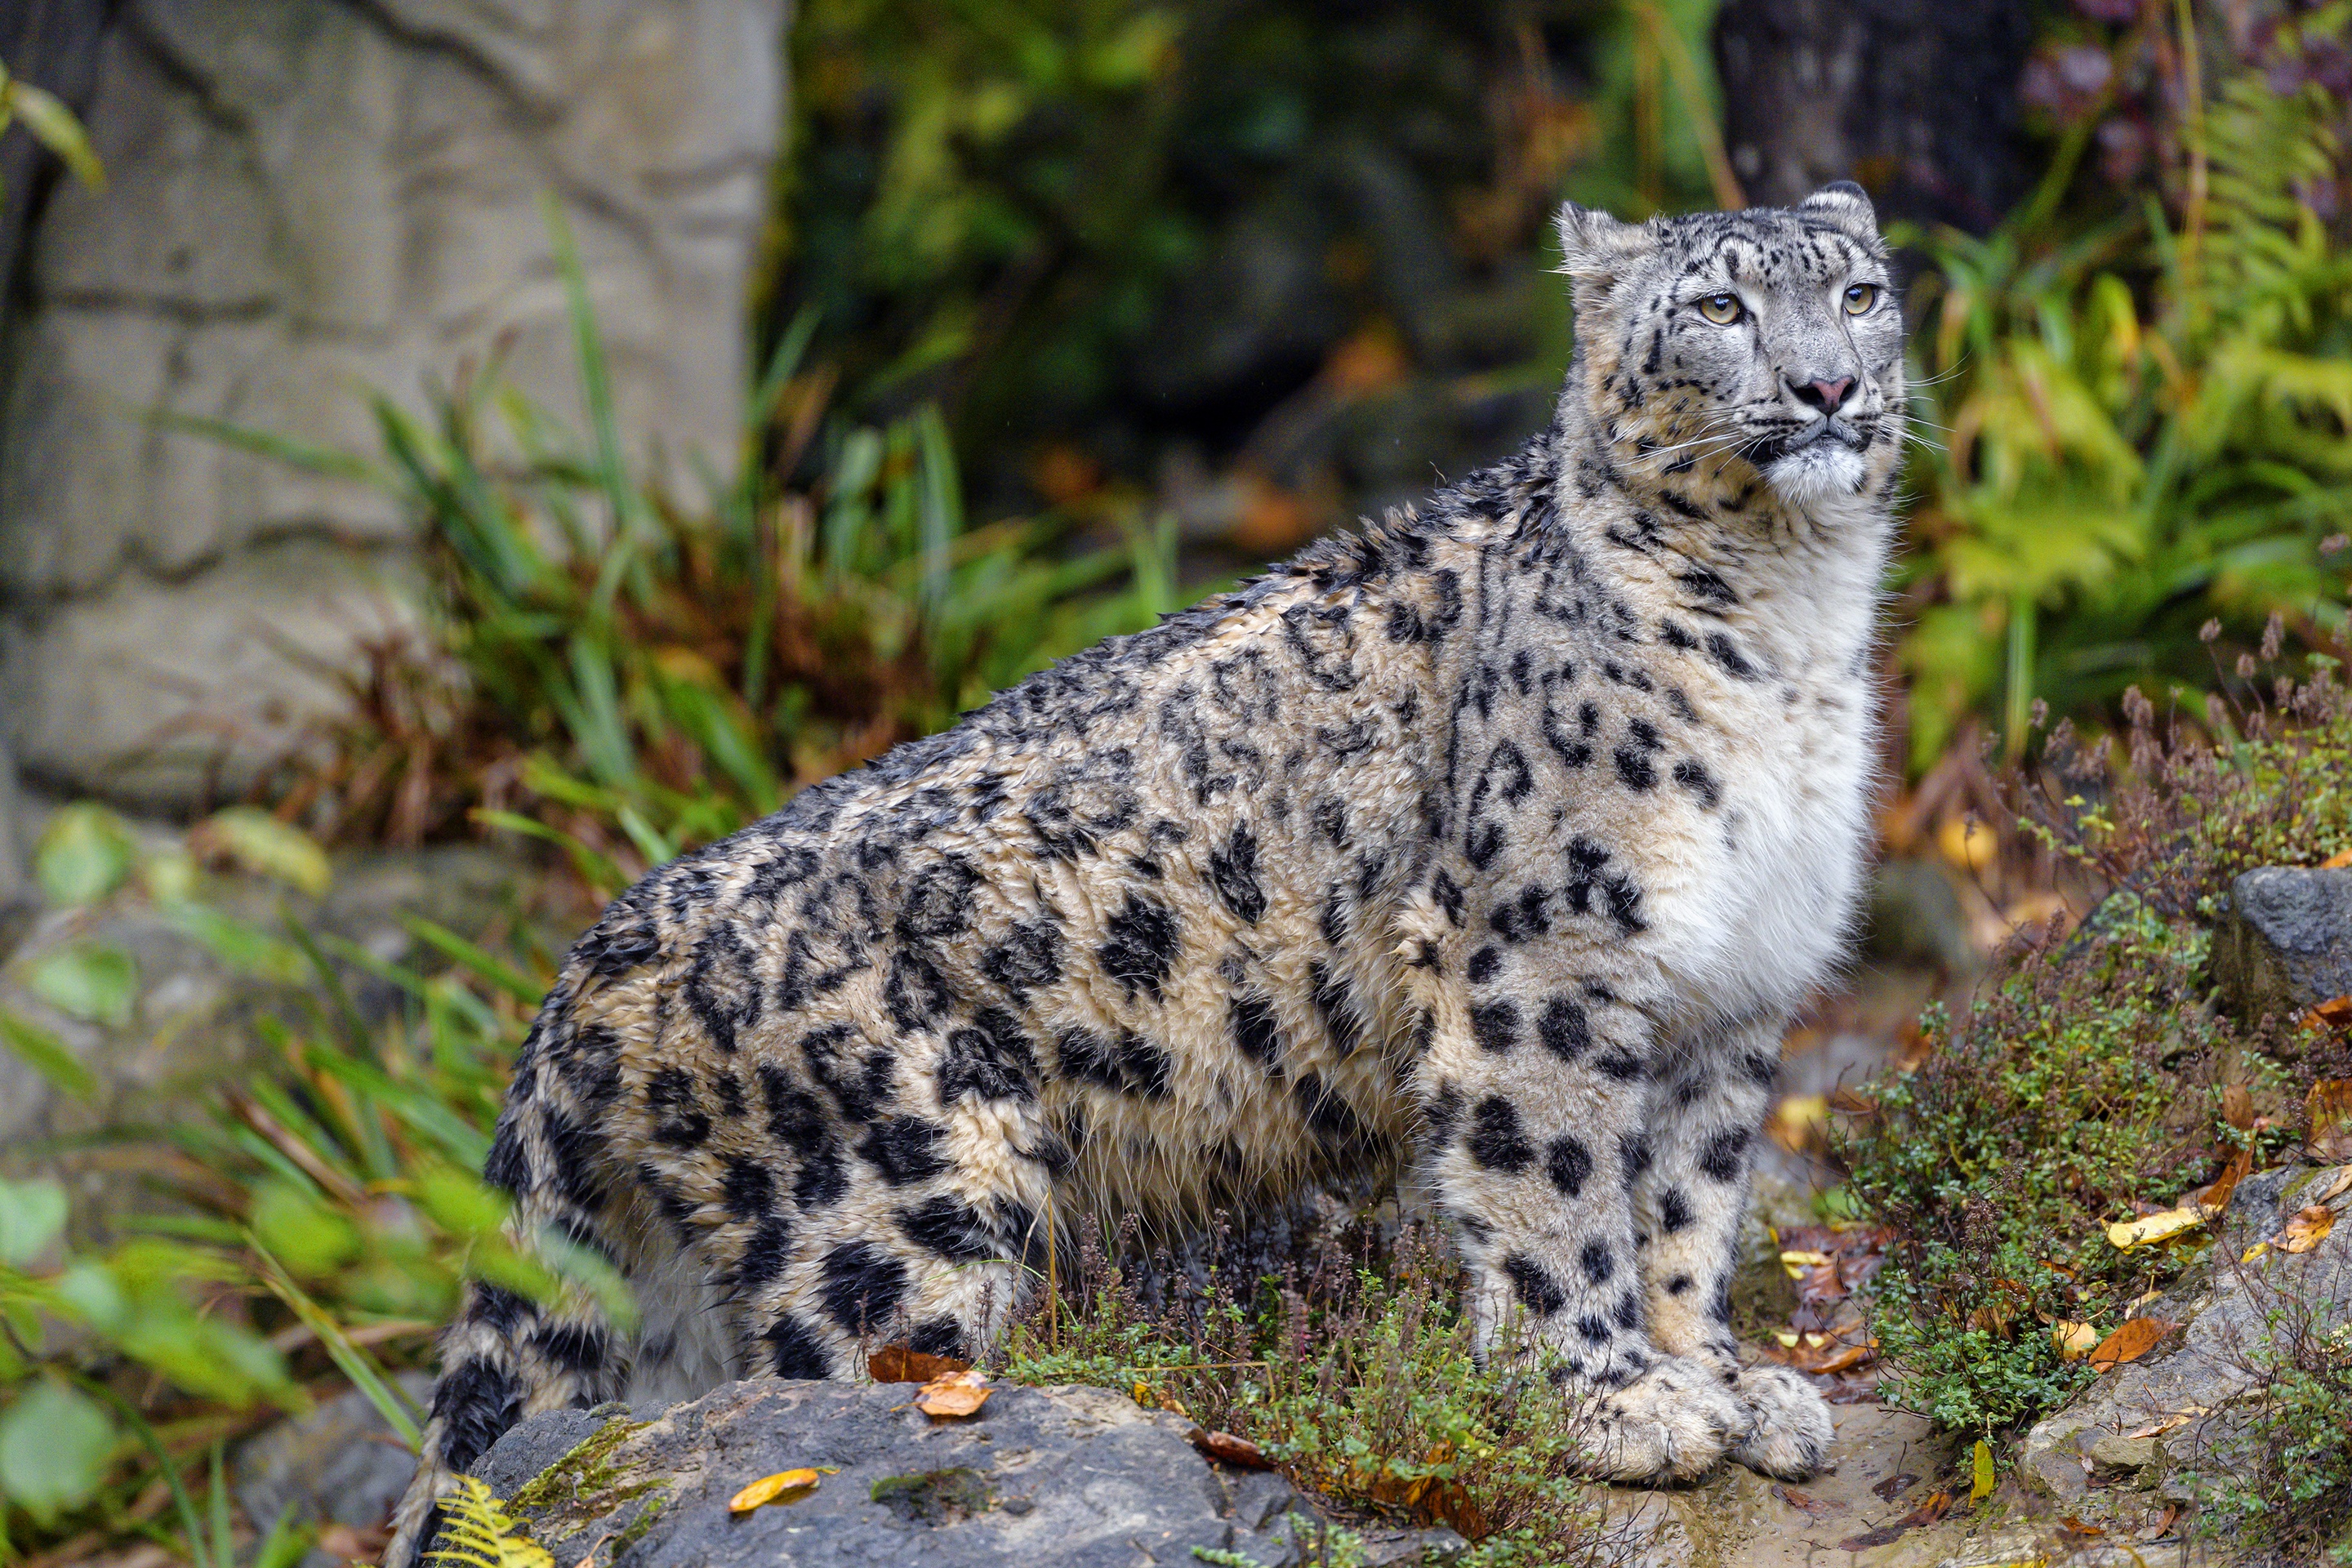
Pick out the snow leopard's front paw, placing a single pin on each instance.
(1674, 1423)
(1792, 1431)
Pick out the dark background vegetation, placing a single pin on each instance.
(1072, 309)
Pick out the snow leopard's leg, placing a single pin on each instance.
(933, 1273)
(1533, 1092)
(1692, 1199)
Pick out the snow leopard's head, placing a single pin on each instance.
(1725, 344)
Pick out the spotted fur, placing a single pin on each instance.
(1500, 838)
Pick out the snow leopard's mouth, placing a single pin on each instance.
(1767, 450)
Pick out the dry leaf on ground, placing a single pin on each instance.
(2177, 1418)
(2329, 1107)
(1938, 1505)
(2306, 1229)
(896, 1364)
(2214, 1196)
(785, 1486)
(2127, 1234)
(1797, 1259)
(1806, 1503)
(2130, 1343)
(2338, 861)
(2327, 1191)
(1798, 1122)
(2074, 1341)
(1228, 1450)
(957, 1394)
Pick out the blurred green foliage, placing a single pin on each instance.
(1120, 223)
(2137, 400)
(323, 1202)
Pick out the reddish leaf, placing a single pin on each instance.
(1228, 1450)
(896, 1364)
(1938, 1505)
(2130, 1343)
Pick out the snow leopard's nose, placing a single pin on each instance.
(1826, 395)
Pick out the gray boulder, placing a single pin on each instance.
(2286, 942)
(1048, 1478)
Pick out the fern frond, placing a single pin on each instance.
(477, 1531)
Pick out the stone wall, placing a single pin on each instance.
(309, 200)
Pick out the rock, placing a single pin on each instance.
(308, 201)
(2285, 943)
(1914, 917)
(1048, 1478)
(342, 1464)
(81, 679)
(2153, 1419)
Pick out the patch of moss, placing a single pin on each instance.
(935, 1497)
(635, 1531)
(585, 1481)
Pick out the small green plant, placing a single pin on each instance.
(627, 676)
(478, 1532)
(2083, 1084)
(306, 1219)
(1347, 1361)
(52, 124)
(2287, 1465)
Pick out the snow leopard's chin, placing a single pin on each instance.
(1827, 471)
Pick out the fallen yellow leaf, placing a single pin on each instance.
(2127, 1234)
(1966, 844)
(2306, 1230)
(1797, 1261)
(2074, 1341)
(2338, 861)
(1982, 1483)
(957, 1394)
(785, 1486)
(1797, 1122)
(2254, 1251)
(2333, 1188)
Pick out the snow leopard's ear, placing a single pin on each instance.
(1846, 204)
(1596, 249)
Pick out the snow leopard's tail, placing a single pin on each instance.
(505, 1356)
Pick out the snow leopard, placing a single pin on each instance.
(1495, 843)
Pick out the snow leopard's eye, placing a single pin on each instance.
(1721, 309)
(1861, 298)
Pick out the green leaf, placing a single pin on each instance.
(238, 945)
(54, 1446)
(498, 972)
(53, 125)
(91, 981)
(31, 1215)
(268, 848)
(461, 1204)
(310, 1239)
(85, 853)
(47, 1055)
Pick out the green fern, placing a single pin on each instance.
(477, 1531)
(2147, 427)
